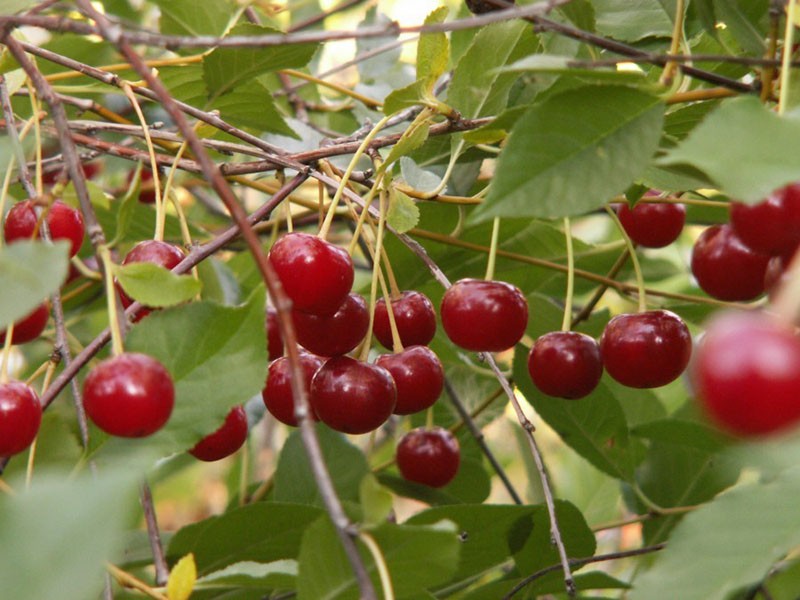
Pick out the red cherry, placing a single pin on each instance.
(352, 396)
(646, 350)
(429, 456)
(147, 191)
(277, 394)
(152, 251)
(771, 226)
(89, 169)
(746, 374)
(414, 316)
(653, 224)
(725, 268)
(20, 417)
(130, 395)
(418, 376)
(336, 334)
(484, 316)
(30, 327)
(224, 441)
(63, 221)
(565, 364)
(274, 337)
(315, 274)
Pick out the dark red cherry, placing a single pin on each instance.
(565, 364)
(274, 337)
(30, 327)
(224, 441)
(746, 374)
(771, 226)
(20, 417)
(152, 251)
(315, 274)
(653, 224)
(89, 169)
(336, 334)
(352, 396)
(147, 190)
(63, 221)
(429, 456)
(418, 376)
(484, 316)
(277, 394)
(130, 395)
(725, 268)
(414, 316)
(646, 350)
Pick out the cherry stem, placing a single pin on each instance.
(429, 420)
(397, 343)
(395, 289)
(6, 353)
(786, 59)
(117, 347)
(566, 324)
(380, 563)
(493, 249)
(376, 269)
(637, 268)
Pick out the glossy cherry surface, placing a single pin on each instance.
(63, 222)
(646, 350)
(157, 252)
(29, 327)
(332, 335)
(224, 441)
(315, 274)
(653, 224)
(415, 318)
(565, 364)
(418, 376)
(429, 456)
(130, 395)
(277, 394)
(725, 268)
(484, 316)
(771, 226)
(352, 396)
(20, 417)
(274, 337)
(746, 374)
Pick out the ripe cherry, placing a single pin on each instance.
(646, 350)
(315, 274)
(429, 456)
(277, 394)
(90, 169)
(771, 226)
(20, 417)
(653, 224)
(725, 268)
(352, 396)
(565, 364)
(224, 441)
(152, 251)
(335, 334)
(30, 327)
(274, 337)
(418, 376)
(484, 316)
(129, 395)
(63, 222)
(746, 374)
(414, 316)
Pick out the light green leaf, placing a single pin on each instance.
(11, 7)
(407, 96)
(182, 17)
(418, 178)
(573, 152)
(30, 271)
(632, 20)
(279, 574)
(376, 500)
(433, 49)
(403, 212)
(155, 286)
(411, 139)
(564, 65)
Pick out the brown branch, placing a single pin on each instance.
(159, 559)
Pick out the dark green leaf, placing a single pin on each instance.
(632, 20)
(252, 106)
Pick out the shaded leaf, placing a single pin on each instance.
(632, 20)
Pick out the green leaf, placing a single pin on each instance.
(261, 532)
(433, 49)
(471, 484)
(226, 68)
(252, 106)
(564, 65)
(404, 97)
(411, 139)
(59, 547)
(248, 575)
(376, 500)
(727, 544)
(155, 286)
(573, 152)
(743, 132)
(632, 20)
(30, 271)
(403, 212)
(182, 17)
(742, 25)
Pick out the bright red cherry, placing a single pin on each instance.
(653, 224)
(646, 350)
(152, 251)
(336, 334)
(565, 364)
(746, 374)
(414, 316)
(20, 417)
(429, 456)
(315, 274)
(30, 327)
(274, 337)
(224, 441)
(418, 375)
(63, 221)
(725, 268)
(484, 316)
(277, 394)
(352, 396)
(147, 190)
(771, 226)
(130, 395)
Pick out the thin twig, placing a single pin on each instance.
(153, 533)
